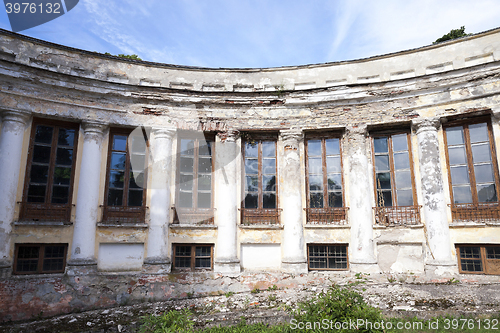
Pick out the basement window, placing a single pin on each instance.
(40, 258)
(327, 257)
(193, 256)
(479, 259)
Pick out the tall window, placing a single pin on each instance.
(472, 169)
(260, 182)
(126, 179)
(50, 171)
(194, 189)
(393, 170)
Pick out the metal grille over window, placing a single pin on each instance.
(394, 181)
(327, 257)
(472, 173)
(40, 258)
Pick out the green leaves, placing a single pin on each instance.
(453, 34)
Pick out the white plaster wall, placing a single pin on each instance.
(120, 257)
(261, 256)
(400, 258)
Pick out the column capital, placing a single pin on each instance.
(18, 116)
(426, 124)
(164, 132)
(495, 113)
(228, 136)
(291, 137)
(93, 130)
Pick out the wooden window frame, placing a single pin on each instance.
(487, 268)
(464, 123)
(47, 211)
(124, 213)
(327, 245)
(204, 215)
(193, 257)
(260, 215)
(41, 257)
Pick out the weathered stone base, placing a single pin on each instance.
(227, 267)
(365, 267)
(441, 269)
(81, 267)
(156, 266)
(294, 267)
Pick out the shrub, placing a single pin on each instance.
(168, 322)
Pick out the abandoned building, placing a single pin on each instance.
(385, 164)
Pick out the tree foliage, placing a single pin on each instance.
(453, 34)
(128, 56)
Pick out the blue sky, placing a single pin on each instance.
(260, 33)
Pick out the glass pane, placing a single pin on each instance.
(119, 142)
(401, 161)
(204, 200)
(471, 265)
(41, 154)
(186, 164)
(457, 155)
(403, 179)
(486, 193)
(493, 252)
(62, 176)
(30, 265)
(332, 146)
(399, 142)
(138, 144)
(478, 132)
(269, 200)
(135, 198)
(205, 148)
(137, 180)
(205, 165)
(138, 162)
(64, 156)
(251, 149)
(382, 163)
(484, 173)
(251, 200)
(268, 149)
(334, 182)
(384, 199)
(28, 252)
(316, 200)
(405, 197)
(471, 252)
(269, 166)
(334, 199)
(202, 263)
(43, 134)
(315, 166)
(315, 183)
(333, 164)
(186, 182)
(383, 180)
(481, 153)
(205, 182)
(118, 161)
(202, 251)
(39, 174)
(36, 193)
(314, 148)
(186, 199)
(337, 263)
(54, 251)
(182, 262)
(317, 262)
(459, 175)
(455, 136)
(115, 197)
(252, 184)
(116, 179)
(251, 166)
(183, 251)
(317, 250)
(269, 183)
(380, 145)
(50, 265)
(187, 147)
(66, 137)
(462, 194)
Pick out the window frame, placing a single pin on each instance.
(192, 257)
(389, 134)
(41, 257)
(487, 270)
(327, 245)
(48, 210)
(464, 123)
(124, 213)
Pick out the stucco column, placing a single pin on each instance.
(157, 259)
(226, 203)
(360, 174)
(83, 259)
(11, 146)
(434, 206)
(290, 190)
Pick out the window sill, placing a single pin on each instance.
(326, 226)
(470, 224)
(261, 226)
(192, 226)
(411, 226)
(123, 225)
(43, 223)
(37, 276)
